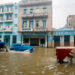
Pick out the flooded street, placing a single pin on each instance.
(41, 62)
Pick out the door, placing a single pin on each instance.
(56, 41)
(34, 42)
(66, 40)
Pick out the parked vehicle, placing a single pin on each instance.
(3, 47)
(21, 47)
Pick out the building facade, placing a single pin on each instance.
(63, 37)
(70, 21)
(35, 22)
(9, 23)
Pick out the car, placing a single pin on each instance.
(3, 47)
(21, 47)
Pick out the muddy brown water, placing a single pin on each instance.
(41, 62)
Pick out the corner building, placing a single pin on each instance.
(35, 22)
(9, 23)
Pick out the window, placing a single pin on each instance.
(9, 17)
(26, 40)
(15, 7)
(8, 26)
(31, 23)
(44, 8)
(42, 41)
(24, 24)
(14, 39)
(1, 17)
(1, 9)
(31, 10)
(44, 23)
(7, 39)
(9, 9)
(15, 25)
(25, 11)
(15, 15)
(37, 23)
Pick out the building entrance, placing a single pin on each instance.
(34, 42)
(56, 41)
(66, 40)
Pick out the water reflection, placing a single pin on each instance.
(41, 62)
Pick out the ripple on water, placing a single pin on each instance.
(5, 70)
(50, 67)
(43, 72)
(3, 66)
(33, 72)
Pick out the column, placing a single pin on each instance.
(2, 38)
(61, 40)
(72, 40)
(45, 41)
(22, 39)
(19, 38)
(28, 23)
(50, 41)
(29, 41)
(11, 39)
(39, 42)
(34, 26)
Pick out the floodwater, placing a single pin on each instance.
(41, 62)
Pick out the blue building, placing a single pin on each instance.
(63, 37)
(9, 23)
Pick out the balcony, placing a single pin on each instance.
(40, 29)
(1, 21)
(27, 15)
(9, 20)
(40, 14)
(1, 30)
(6, 29)
(1, 13)
(34, 2)
(7, 12)
(36, 13)
(35, 30)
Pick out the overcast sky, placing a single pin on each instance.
(61, 9)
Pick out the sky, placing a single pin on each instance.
(61, 9)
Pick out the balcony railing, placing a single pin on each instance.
(27, 15)
(6, 29)
(1, 20)
(1, 12)
(35, 29)
(40, 29)
(30, 2)
(8, 20)
(0, 30)
(6, 12)
(36, 14)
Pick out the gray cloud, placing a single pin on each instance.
(61, 9)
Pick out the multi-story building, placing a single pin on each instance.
(70, 21)
(35, 22)
(9, 23)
